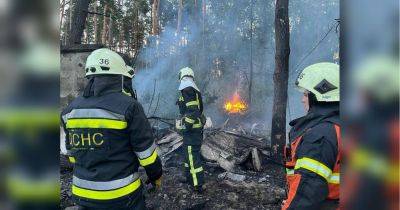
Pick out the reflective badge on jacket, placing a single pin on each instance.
(91, 128)
(85, 139)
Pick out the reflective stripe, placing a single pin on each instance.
(314, 166)
(14, 117)
(126, 93)
(289, 171)
(197, 125)
(198, 102)
(106, 195)
(192, 103)
(181, 98)
(334, 178)
(197, 170)
(367, 161)
(193, 170)
(96, 123)
(147, 153)
(191, 121)
(23, 188)
(109, 185)
(186, 165)
(92, 113)
(149, 160)
(71, 159)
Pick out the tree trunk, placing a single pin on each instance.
(155, 20)
(104, 31)
(71, 7)
(62, 14)
(78, 21)
(251, 53)
(96, 28)
(121, 29)
(278, 128)
(110, 27)
(178, 27)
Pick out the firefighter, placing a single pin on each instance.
(108, 137)
(313, 154)
(191, 124)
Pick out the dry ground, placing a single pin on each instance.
(259, 190)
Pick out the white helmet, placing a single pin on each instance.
(186, 72)
(379, 76)
(106, 61)
(322, 79)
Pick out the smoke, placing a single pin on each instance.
(222, 48)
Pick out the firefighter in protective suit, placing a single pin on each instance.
(108, 137)
(191, 124)
(313, 153)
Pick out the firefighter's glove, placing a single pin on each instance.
(152, 186)
(157, 183)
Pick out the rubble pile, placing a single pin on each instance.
(238, 173)
(232, 150)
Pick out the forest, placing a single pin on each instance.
(230, 44)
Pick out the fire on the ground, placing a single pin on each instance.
(235, 104)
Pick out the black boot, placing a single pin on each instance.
(199, 189)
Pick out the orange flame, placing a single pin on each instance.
(236, 105)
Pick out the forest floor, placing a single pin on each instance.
(258, 190)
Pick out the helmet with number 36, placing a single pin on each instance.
(105, 61)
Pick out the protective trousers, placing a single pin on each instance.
(193, 160)
(133, 204)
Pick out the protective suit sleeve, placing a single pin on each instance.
(142, 141)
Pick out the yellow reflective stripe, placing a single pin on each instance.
(191, 121)
(366, 161)
(393, 174)
(126, 93)
(181, 98)
(71, 159)
(193, 170)
(191, 164)
(96, 123)
(197, 100)
(15, 118)
(192, 103)
(32, 190)
(375, 164)
(150, 160)
(106, 195)
(198, 125)
(314, 166)
(334, 178)
(197, 170)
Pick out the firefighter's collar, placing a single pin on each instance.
(188, 82)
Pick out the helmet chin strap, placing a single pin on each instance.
(122, 83)
(123, 90)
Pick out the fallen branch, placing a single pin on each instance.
(158, 100)
(164, 120)
(255, 141)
